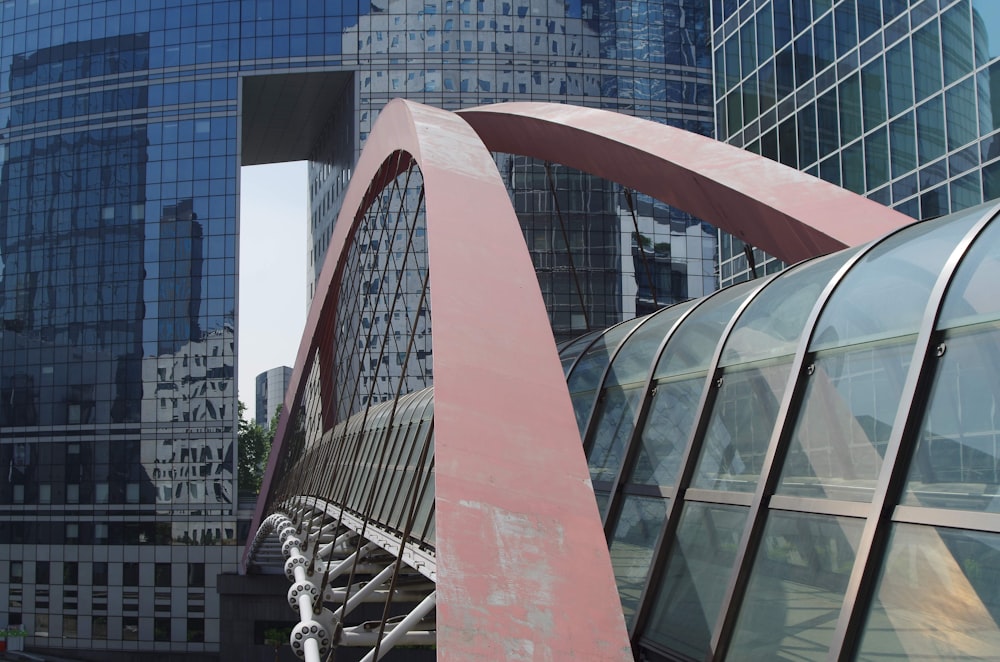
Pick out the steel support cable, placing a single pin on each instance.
(347, 304)
(401, 629)
(372, 482)
(410, 519)
(345, 430)
(406, 362)
(569, 251)
(383, 209)
(327, 457)
(340, 448)
(367, 515)
(642, 250)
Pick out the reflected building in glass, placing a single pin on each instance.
(271, 386)
(805, 465)
(891, 99)
(122, 130)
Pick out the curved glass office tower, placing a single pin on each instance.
(122, 129)
(895, 100)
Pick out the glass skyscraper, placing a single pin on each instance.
(271, 386)
(893, 99)
(123, 126)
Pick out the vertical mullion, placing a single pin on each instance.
(909, 417)
(689, 460)
(771, 467)
(638, 421)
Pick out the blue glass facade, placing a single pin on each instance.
(122, 129)
(895, 100)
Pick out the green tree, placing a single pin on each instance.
(254, 446)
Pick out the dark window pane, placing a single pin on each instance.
(162, 575)
(196, 629)
(130, 574)
(853, 167)
(99, 627)
(748, 48)
(782, 22)
(903, 145)
(876, 159)
(955, 42)
(850, 108)
(960, 106)
(926, 61)
(161, 629)
(99, 573)
(846, 28)
(828, 117)
(823, 36)
(930, 130)
(750, 103)
(869, 17)
(873, 93)
(784, 70)
(807, 137)
(787, 143)
(803, 58)
(765, 33)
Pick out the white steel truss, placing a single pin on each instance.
(322, 545)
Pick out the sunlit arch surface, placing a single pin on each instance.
(788, 214)
(516, 546)
(511, 491)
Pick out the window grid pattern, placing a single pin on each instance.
(798, 571)
(892, 100)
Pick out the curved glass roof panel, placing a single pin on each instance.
(972, 294)
(885, 293)
(632, 545)
(694, 584)
(666, 430)
(589, 370)
(614, 422)
(633, 361)
(773, 322)
(569, 351)
(796, 587)
(693, 344)
(865, 339)
(936, 598)
(845, 420)
(739, 431)
(956, 461)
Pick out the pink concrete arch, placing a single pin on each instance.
(523, 566)
(787, 213)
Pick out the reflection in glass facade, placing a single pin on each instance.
(898, 101)
(270, 387)
(122, 129)
(782, 486)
